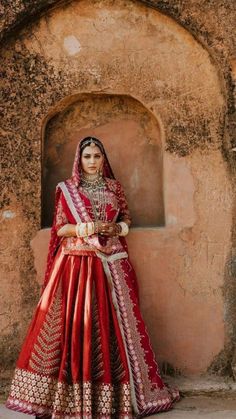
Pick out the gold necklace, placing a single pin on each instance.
(95, 190)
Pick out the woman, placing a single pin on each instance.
(87, 353)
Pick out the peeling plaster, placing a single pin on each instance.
(72, 45)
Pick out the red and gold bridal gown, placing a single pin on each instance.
(87, 353)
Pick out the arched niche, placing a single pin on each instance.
(132, 138)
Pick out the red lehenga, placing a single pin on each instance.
(87, 353)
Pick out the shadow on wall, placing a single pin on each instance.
(132, 139)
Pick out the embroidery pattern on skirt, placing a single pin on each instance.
(33, 393)
(45, 356)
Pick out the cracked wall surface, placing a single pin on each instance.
(185, 78)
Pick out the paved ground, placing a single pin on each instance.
(199, 407)
(202, 408)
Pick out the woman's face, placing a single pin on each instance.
(91, 159)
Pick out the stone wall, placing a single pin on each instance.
(177, 60)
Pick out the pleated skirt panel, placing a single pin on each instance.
(73, 362)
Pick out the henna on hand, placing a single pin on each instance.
(109, 229)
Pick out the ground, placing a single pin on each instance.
(199, 407)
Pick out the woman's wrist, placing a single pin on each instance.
(84, 229)
(118, 229)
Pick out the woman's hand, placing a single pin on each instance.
(107, 229)
(68, 230)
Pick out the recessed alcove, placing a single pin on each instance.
(132, 138)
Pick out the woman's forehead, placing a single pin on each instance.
(94, 149)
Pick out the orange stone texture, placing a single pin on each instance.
(157, 86)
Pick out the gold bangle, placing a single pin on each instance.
(124, 228)
(77, 229)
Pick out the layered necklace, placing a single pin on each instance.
(95, 190)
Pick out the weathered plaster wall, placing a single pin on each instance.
(105, 47)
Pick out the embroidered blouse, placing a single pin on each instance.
(114, 209)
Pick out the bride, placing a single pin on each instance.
(87, 353)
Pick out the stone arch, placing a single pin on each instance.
(132, 137)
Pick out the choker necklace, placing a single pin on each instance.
(92, 183)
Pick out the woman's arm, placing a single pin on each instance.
(67, 230)
(124, 214)
(63, 228)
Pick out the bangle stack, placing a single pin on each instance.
(87, 229)
(124, 229)
(84, 229)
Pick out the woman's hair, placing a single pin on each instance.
(88, 140)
